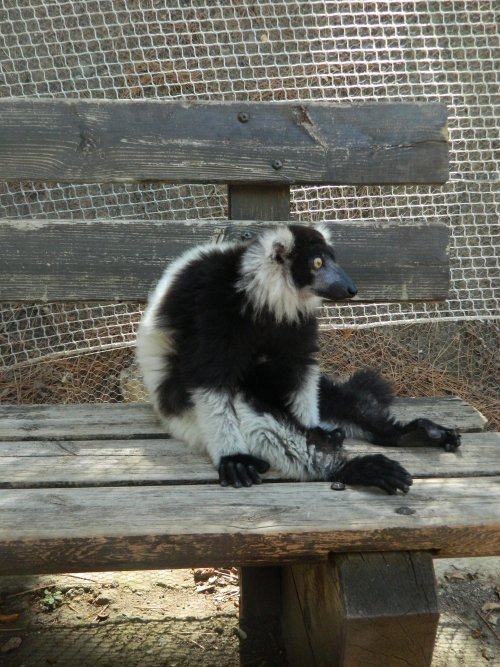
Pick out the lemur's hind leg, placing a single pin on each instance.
(423, 431)
(361, 405)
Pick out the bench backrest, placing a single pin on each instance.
(257, 149)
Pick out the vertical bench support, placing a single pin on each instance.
(377, 609)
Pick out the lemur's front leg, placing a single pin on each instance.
(362, 404)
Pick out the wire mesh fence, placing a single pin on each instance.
(351, 51)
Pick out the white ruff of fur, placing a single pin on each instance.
(268, 283)
(325, 232)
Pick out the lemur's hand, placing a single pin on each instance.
(241, 470)
(376, 470)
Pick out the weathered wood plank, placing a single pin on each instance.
(361, 609)
(50, 530)
(76, 422)
(298, 142)
(121, 260)
(144, 462)
(138, 420)
(450, 411)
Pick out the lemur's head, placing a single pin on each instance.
(288, 270)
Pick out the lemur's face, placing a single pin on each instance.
(314, 266)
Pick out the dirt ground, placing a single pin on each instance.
(185, 617)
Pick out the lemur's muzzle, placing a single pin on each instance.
(332, 282)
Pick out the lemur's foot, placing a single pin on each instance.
(241, 470)
(426, 432)
(375, 470)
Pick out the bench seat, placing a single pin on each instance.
(89, 487)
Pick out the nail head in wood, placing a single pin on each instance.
(338, 486)
(405, 510)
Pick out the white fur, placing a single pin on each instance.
(284, 447)
(325, 232)
(304, 403)
(186, 427)
(222, 426)
(218, 423)
(268, 283)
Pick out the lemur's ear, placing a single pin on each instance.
(279, 252)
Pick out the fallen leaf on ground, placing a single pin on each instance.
(11, 645)
(9, 618)
(461, 576)
(490, 606)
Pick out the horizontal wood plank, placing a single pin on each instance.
(145, 462)
(84, 529)
(138, 420)
(206, 142)
(121, 260)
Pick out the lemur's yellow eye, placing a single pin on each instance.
(317, 262)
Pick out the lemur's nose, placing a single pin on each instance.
(352, 290)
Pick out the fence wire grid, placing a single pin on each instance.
(351, 51)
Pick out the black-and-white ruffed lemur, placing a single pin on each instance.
(227, 347)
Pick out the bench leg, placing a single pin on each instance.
(361, 609)
(260, 616)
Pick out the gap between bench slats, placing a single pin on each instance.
(137, 420)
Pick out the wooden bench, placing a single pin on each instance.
(347, 576)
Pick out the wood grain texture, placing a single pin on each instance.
(343, 612)
(138, 420)
(204, 142)
(122, 260)
(161, 461)
(51, 530)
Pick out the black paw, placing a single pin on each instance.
(241, 470)
(426, 432)
(335, 437)
(326, 439)
(376, 470)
